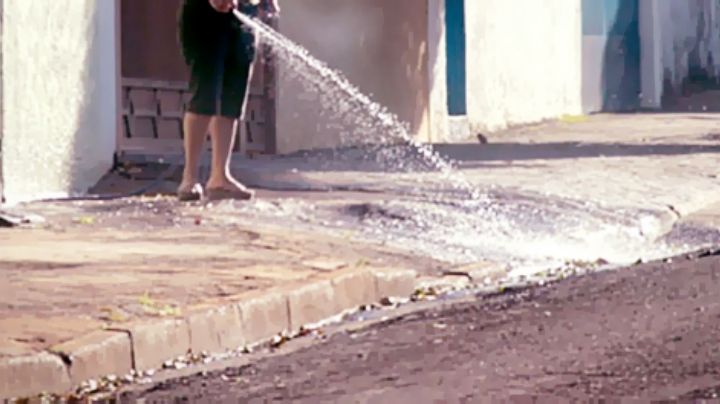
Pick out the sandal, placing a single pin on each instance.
(193, 194)
(242, 194)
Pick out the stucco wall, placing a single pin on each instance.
(59, 96)
(380, 45)
(690, 42)
(437, 73)
(524, 61)
(2, 193)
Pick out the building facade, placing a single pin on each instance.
(87, 80)
(59, 108)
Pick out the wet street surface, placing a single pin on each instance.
(650, 331)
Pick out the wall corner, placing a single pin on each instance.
(437, 71)
(2, 96)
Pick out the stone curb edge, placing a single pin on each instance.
(250, 318)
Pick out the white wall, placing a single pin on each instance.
(2, 198)
(437, 72)
(676, 36)
(524, 61)
(59, 96)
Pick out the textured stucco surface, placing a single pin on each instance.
(680, 49)
(524, 61)
(381, 46)
(690, 39)
(2, 2)
(437, 72)
(59, 96)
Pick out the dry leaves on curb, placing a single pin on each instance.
(153, 307)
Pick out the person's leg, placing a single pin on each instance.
(200, 51)
(206, 71)
(195, 127)
(221, 183)
(238, 72)
(196, 123)
(222, 131)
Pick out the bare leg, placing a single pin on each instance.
(195, 127)
(222, 131)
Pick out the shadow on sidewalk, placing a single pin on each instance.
(473, 155)
(465, 153)
(391, 159)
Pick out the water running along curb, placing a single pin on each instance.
(251, 318)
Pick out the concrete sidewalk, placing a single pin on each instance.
(106, 287)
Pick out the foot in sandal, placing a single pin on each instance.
(189, 192)
(228, 188)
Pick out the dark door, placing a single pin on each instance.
(611, 55)
(456, 59)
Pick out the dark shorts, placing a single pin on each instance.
(219, 54)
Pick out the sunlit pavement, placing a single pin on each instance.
(616, 188)
(648, 333)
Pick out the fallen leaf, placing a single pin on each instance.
(362, 262)
(85, 220)
(146, 300)
(573, 118)
(114, 315)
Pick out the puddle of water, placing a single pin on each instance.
(447, 217)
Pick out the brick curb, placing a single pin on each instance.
(251, 318)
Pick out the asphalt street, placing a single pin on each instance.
(650, 331)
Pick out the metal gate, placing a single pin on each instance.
(155, 88)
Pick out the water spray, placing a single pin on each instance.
(388, 121)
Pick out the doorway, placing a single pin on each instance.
(154, 85)
(456, 57)
(611, 55)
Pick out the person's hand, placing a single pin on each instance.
(272, 8)
(223, 6)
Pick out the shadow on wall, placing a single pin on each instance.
(405, 34)
(621, 59)
(93, 140)
(152, 24)
(380, 46)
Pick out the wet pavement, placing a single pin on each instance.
(612, 188)
(646, 332)
(617, 188)
(103, 264)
